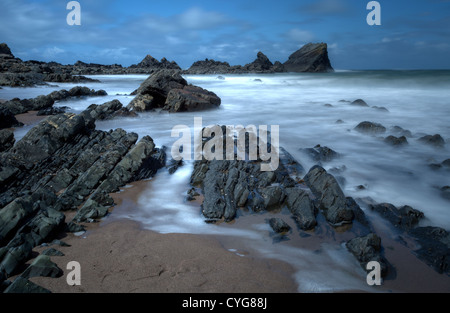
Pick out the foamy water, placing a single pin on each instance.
(416, 100)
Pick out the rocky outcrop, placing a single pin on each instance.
(6, 139)
(209, 66)
(17, 106)
(403, 218)
(320, 154)
(63, 163)
(312, 57)
(168, 90)
(150, 65)
(329, 196)
(229, 185)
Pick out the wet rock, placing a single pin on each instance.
(370, 128)
(321, 154)
(435, 140)
(278, 225)
(23, 285)
(396, 141)
(434, 247)
(52, 111)
(367, 249)
(109, 110)
(397, 130)
(301, 207)
(383, 109)
(52, 252)
(7, 118)
(329, 196)
(403, 218)
(191, 98)
(42, 266)
(6, 139)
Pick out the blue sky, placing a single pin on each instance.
(414, 33)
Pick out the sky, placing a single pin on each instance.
(414, 34)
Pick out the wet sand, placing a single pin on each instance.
(117, 255)
(30, 118)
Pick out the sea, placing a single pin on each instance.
(310, 109)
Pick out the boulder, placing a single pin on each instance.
(370, 128)
(433, 140)
(7, 119)
(262, 64)
(367, 249)
(278, 225)
(321, 154)
(329, 196)
(403, 218)
(312, 57)
(191, 98)
(42, 266)
(359, 102)
(396, 141)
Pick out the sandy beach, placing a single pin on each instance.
(117, 255)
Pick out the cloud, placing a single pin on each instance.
(326, 7)
(299, 35)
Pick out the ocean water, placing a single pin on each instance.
(418, 101)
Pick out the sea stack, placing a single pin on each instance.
(312, 58)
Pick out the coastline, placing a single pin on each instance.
(118, 255)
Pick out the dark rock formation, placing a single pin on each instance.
(23, 285)
(359, 102)
(396, 141)
(228, 185)
(7, 118)
(149, 65)
(17, 106)
(434, 247)
(278, 225)
(168, 90)
(42, 266)
(370, 128)
(208, 66)
(367, 249)
(310, 58)
(403, 218)
(433, 140)
(6, 139)
(191, 98)
(321, 154)
(65, 153)
(329, 196)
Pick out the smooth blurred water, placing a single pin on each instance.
(418, 101)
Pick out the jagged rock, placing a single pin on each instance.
(23, 285)
(52, 252)
(109, 110)
(434, 247)
(262, 64)
(329, 196)
(7, 118)
(367, 249)
(403, 218)
(168, 90)
(42, 266)
(6, 139)
(191, 98)
(310, 58)
(301, 207)
(52, 111)
(278, 225)
(321, 154)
